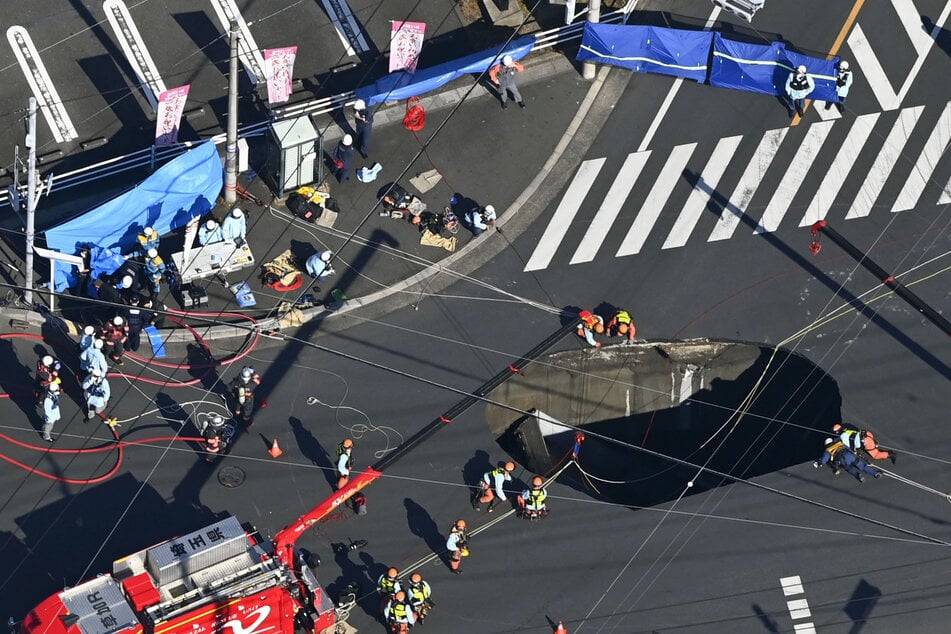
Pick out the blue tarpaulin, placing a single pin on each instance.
(177, 192)
(403, 85)
(765, 68)
(648, 49)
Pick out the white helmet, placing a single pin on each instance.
(127, 279)
(96, 372)
(54, 387)
(843, 65)
(236, 213)
(118, 320)
(801, 70)
(148, 231)
(47, 360)
(89, 330)
(211, 224)
(246, 372)
(829, 441)
(97, 344)
(347, 139)
(507, 60)
(217, 420)
(326, 255)
(152, 253)
(489, 209)
(359, 104)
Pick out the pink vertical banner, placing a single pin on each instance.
(171, 105)
(279, 68)
(406, 43)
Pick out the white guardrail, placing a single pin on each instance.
(153, 155)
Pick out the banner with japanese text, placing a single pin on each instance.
(406, 43)
(170, 108)
(279, 67)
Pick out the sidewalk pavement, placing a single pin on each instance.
(488, 154)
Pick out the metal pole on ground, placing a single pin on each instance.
(30, 202)
(594, 16)
(231, 143)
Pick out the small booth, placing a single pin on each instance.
(294, 155)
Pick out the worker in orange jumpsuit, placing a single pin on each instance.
(490, 487)
(590, 324)
(457, 544)
(855, 439)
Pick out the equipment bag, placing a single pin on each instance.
(415, 119)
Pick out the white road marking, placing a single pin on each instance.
(130, 40)
(791, 585)
(945, 197)
(792, 179)
(885, 162)
(700, 196)
(42, 86)
(736, 206)
(840, 168)
(926, 163)
(804, 628)
(671, 174)
(610, 207)
(564, 214)
(798, 609)
(248, 51)
(826, 115)
(347, 27)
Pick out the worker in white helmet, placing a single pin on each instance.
(88, 336)
(93, 358)
(843, 81)
(342, 158)
(480, 218)
(147, 239)
(96, 391)
(210, 232)
(51, 412)
(503, 75)
(47, 373)
(318, 265)
(799, 85)
(363, 124)
(235, 226)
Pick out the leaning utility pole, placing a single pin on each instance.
(231, 143)
(30, 202)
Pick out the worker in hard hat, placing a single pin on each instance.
(490, 487)
(235, 226)
(47, 372)
(51, 412)
(419, 593)
(503, 75)
(479, 219)
(318, 265)
(146, 239)
(399, 613)
(532, 500)
(363, 124)
(344, 462)
(93, 358)
(840, 456)
(388, 585)
(621, 325)
(856, 439)
(210, 232)
(213, 434)
(342, 158)
(114, 335)
(96, 391)
(799, 85)
(154, 270)
(86, 339)
(458, 545)
(590, 324)
(128, 286)
(243, 387)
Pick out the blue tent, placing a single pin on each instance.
(648, 49)
(177, 192)
(403, 85)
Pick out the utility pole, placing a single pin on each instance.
(594, 16)
(231, 143)
(30, 201)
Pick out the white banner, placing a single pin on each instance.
(406, 43)
(279, 68)
(170, 108)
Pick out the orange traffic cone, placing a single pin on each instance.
(275, 451)
(561, 628)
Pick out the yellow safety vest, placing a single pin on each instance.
(623, 317)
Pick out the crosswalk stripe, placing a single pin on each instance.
(611, 207)
(926, 163)
(564, 214)
(792, 180)
(670, 175)
(707, 184)
(746, 188)
(136, 53)
(884, 162)
(840, 168)
(945, 197)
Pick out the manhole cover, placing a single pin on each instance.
(231, 477)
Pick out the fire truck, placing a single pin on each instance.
(225, 577)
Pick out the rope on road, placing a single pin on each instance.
(917, 485)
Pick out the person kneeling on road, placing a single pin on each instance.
(479, 220)
(318, 265)
(590, 324)
(622, 325)
(532, 501)
(491, 486)
(838, 455)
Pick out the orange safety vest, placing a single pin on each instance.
(588, 319)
